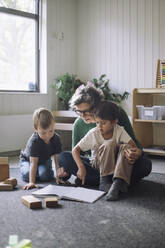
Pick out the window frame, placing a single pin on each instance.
(37, 51)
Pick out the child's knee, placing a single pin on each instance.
(25, 176)
(24, 169)
(45, 175)
(64, 157)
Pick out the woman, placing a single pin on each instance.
(84, 102)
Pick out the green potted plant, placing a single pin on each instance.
(103, 84)
(66, 85)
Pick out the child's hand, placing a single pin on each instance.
(132, 154)
(30, 186)
(81, 173)
(60, 172)
(60, 181)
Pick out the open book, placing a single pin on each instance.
(70, 193)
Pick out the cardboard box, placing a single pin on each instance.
(4, 168)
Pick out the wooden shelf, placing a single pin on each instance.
(149, 132)
(64, 119)
(150, 90)
(154, 151)
(63, 126)
(151, 121)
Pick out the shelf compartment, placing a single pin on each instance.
(150, 121)
(149, 132)
(150, 91)
(154, 151)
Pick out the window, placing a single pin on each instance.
(19, 45)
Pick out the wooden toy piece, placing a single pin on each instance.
(25, 243)
(31, 202)
(51, 202)
(13, 240)
(11, 180)
(4, 168)
(5, 187)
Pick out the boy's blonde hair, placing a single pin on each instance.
(42, 117)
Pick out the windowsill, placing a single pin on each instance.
(23, 93)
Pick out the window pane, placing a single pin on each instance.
(17, 52)
(23, 5)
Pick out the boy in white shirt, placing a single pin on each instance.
(107, 142)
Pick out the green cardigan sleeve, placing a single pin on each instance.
(125, 122)
(80, 129)
(75, 134)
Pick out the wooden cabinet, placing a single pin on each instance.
(150, 133)
(64, 119)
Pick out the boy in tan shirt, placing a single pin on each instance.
(107, 142)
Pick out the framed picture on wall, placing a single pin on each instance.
(160, 77)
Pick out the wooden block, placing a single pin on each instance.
(13, 240)
(31, 202)
(5, 187)
(4, 168)
(51, 202)
(25, 243)
(11, 180)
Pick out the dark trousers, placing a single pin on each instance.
(141, 168)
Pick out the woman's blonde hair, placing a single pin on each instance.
(42, 117)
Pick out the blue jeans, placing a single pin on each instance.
(67, 162)
(141, 168)
(44, 171)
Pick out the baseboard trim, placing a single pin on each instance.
(10, 153)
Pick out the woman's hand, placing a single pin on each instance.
(81, 173)
(132, 154)
(30, 186)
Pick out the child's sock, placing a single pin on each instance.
(105, 183)
(119, 185)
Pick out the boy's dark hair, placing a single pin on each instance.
(42, 117)
(107, 110)
(86, 94)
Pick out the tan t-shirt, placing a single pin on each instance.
(94, 139)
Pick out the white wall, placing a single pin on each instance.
(13, 138)
(121, 38)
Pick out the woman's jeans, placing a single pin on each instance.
(141, 168)
(44, 171)
(67, 162)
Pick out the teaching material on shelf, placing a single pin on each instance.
(151, 113)
(160, 77)
(70, 193)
